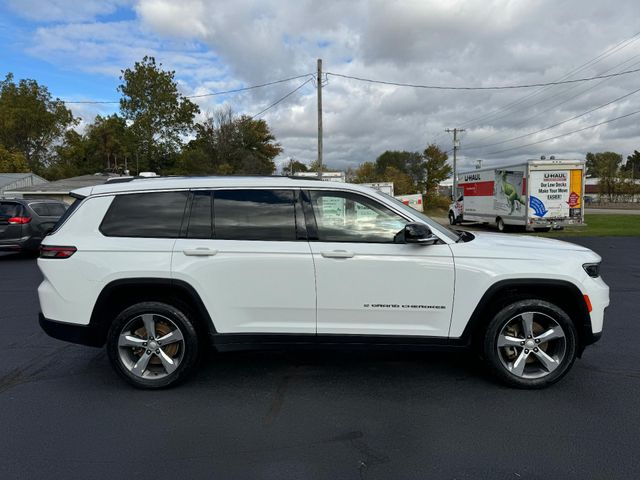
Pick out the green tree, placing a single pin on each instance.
(31, 121)
(159, 114)
(293, 166)
(230, 145)
(633, 165)
(437, 168)
(402, 182)
(12, 162)
(606, 167)
(111, 143)
(367, 173)
(70, 157)
(410, 163)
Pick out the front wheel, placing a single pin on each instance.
(500, 224)
(452, 219)
(530, 344)
(152, 345)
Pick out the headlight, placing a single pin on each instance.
(592, 269)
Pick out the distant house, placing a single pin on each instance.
(14, 181)
(59, 189)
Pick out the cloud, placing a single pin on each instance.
(223, 45)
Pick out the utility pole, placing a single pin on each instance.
(319, 82)
(456, 146)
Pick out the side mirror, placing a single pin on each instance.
(419, 233)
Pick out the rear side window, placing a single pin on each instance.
(41, 209)
(151, 215)
(56, 209)
(254, 215)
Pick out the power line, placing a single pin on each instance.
(597, 59)
(498, 87)
(211, 94)
(475, 147)
(282, 98)
(555, 105)
(565, 134)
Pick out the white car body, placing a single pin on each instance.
(298, 287)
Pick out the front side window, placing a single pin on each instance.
(254, 215)
(348, 217)
(151, 215)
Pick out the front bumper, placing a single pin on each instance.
(72, 332)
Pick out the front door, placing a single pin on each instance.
(249, 261)
(369, 284)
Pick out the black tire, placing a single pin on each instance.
(452, 219)
(500, 225)
(535, 374)
(153, 375)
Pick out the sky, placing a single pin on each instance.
(78, 49)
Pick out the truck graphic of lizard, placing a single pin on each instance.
(510, 192)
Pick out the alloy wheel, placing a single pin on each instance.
(151, 346)
(531, 345)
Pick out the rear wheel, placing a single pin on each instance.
(152, 345)
(500, 224)
(530, 344)
(452, 219)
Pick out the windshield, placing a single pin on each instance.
(432, 223)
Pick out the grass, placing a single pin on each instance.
(602, 225)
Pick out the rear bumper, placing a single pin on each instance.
(72, 332)
(25, 243)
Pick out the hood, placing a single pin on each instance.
(500, 245)
(526, 241)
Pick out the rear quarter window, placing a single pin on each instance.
(150, 215)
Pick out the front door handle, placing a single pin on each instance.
(199, 252)
(337, 254)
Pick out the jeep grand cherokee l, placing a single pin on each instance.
(153, 267)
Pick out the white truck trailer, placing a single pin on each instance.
(535, 194)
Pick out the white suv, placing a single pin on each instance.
(154, 268)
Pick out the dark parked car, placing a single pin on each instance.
(24, 223)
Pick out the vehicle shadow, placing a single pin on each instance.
(348, 367)
(13, 256)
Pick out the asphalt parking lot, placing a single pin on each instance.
(385, 415)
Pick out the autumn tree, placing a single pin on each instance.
(159, 115)
(12, 161)
(437, 168)
(31, 121)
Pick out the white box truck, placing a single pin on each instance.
(535, 194)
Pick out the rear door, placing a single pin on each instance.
(246, 253)
(10, 229)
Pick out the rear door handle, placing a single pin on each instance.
(199, 252)
(337, 254)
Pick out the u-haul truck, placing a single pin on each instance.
(536, 194)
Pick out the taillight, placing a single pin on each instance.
(19, 220)
(47, 251)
